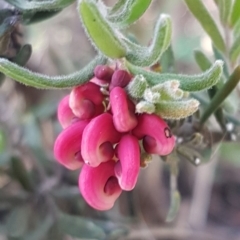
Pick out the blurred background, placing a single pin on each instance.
(34, 188)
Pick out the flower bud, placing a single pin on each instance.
(103, 72)
(120, 78)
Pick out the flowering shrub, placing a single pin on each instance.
(103, 135)
(125, 105)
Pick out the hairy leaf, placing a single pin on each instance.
(188, 83)
(37, 6)
(147, 56)
(37, 80)
(101, 34)
(130, 13)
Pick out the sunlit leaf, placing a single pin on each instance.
(100, 32)
(201, 13)
(235, 15)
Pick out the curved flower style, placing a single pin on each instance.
(128, 166)
(124, 118)
(86, 101)
(99, 136)
(120, 78)
(67, 147)
(157, 137)
(64, 113)
(99, 186)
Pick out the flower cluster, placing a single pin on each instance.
(103, 134)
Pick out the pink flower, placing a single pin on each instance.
(156, 135)
(98, 139)
(65, 114)
(86, 101)
(124, 118)
(128, 166)
(99, 186)
(67, 147)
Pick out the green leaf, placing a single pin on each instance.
(174, 205)
(176, 109)
(230, 151)
(36, 6)
(236, 29)
(221, 95)
(38, 80)
(79, 227)
(41, 230)
(235, 50)
(20, 173)
(118, 6)
(218, 55)
(167, 61)
(225, 7)
(32, 18)
(101, 34)
(202, 15)
(147, 56)
(131, 11)
(188, 83)
(17, 221)
(23, 55)
(235, 14)
(204, 63)
(137, 87)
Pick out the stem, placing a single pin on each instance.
(221, 95)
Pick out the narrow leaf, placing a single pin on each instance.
(235, 50)
(17, 221)
(204, 63)
(221, 95)
(35, 6)
(101, 34)
(174, 205)
(31, 17)
(38, 80)
(236, 29)
(41, 229)
(235, 14)
(167, 61)
(118, 6)
(219, 56)
(147, 56)
(225, 7)
(130, 13)
(176, 109)
(80, 227)
(23, 55)
(20, 174)
(188, 83)
(202, 15)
